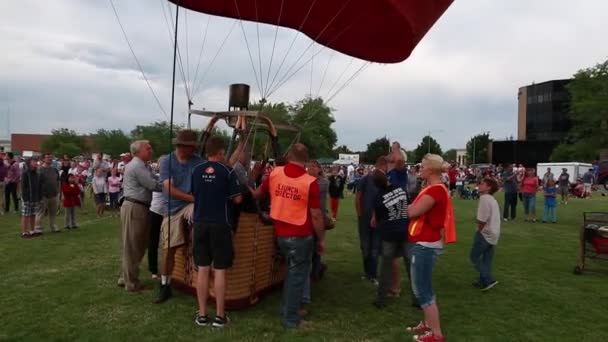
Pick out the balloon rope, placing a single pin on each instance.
(171, 128)
(200, 55)
(137, 60)
(276, 31)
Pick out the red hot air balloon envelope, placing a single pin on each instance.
(382, 31)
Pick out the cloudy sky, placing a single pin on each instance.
(66, 64)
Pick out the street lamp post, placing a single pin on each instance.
(429, 138)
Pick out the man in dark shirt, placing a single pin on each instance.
(215, 188)
(336, 190)
(390, 219)
(49, 186)
(30, 194)
(509, 179)
(368, 237)
(564, 185)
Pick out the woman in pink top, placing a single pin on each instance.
(114, 184)
(529, 187)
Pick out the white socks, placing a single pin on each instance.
(165, 280)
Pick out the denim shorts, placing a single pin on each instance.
(422, 263)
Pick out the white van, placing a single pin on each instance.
(576, 170)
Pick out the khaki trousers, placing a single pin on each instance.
(135, 233)
(48, 206)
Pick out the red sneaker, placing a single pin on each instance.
(421, 328)
(429, 337)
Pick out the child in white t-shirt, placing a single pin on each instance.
(486, 235)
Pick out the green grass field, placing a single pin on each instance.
(61, 287)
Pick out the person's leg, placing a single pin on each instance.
(376, 247)
(53, 206)
(396, 276)
(487, 261)
(554, 214)
(527, 206)
(533, 206)
(40, 214)
(408, 259)
(333, 202)
(155, 224)
(202, 289)
(388, 255)
(2, 192)
(219, 284)
(513, 205)
(73, 217)
(7, 195)
(545, 213)
(507, 206)
(223, 255)
(423, 263)
(364, 244)
(16, 196)
(476, 254)
(298, 251)
(135, 237)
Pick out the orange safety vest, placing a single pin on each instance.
(449, 226)
(289, 197)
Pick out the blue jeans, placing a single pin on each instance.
(422, 263)
(550, 213)
(482, 255)
(370, 243)
(529, 204)
(298, 252)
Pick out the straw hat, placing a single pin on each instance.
(186, 137)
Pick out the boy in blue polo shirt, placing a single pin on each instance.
(215, 188)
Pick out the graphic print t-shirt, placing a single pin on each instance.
(391, 214)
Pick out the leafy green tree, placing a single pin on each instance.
(64, 141)
(375, 149)
(342, 149)
(314, 118)
(588, 114)
(477, 148)
(158, 133)
(450, 155)
(113, 142)
(427, 145)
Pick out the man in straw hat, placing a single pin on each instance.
(175, 173)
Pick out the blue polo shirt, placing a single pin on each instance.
(214, 185)
(181, 174)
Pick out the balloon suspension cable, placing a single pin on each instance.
(171, 123)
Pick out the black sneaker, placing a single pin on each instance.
(164, 293)
(379, 304)
(489, 286)
(201, 321)
(74, 227)
(67, 227)
(220, 322)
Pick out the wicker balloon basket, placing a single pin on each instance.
(257, 270)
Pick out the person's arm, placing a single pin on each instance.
(235, 190)
(483, 214)
(237, 152)
(261, 191)
(422, 206)
(359, 197)
(145, 179)
(175, 192)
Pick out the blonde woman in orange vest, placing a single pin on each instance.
(431, 225)
(295, 209)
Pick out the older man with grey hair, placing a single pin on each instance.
(138, 185)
